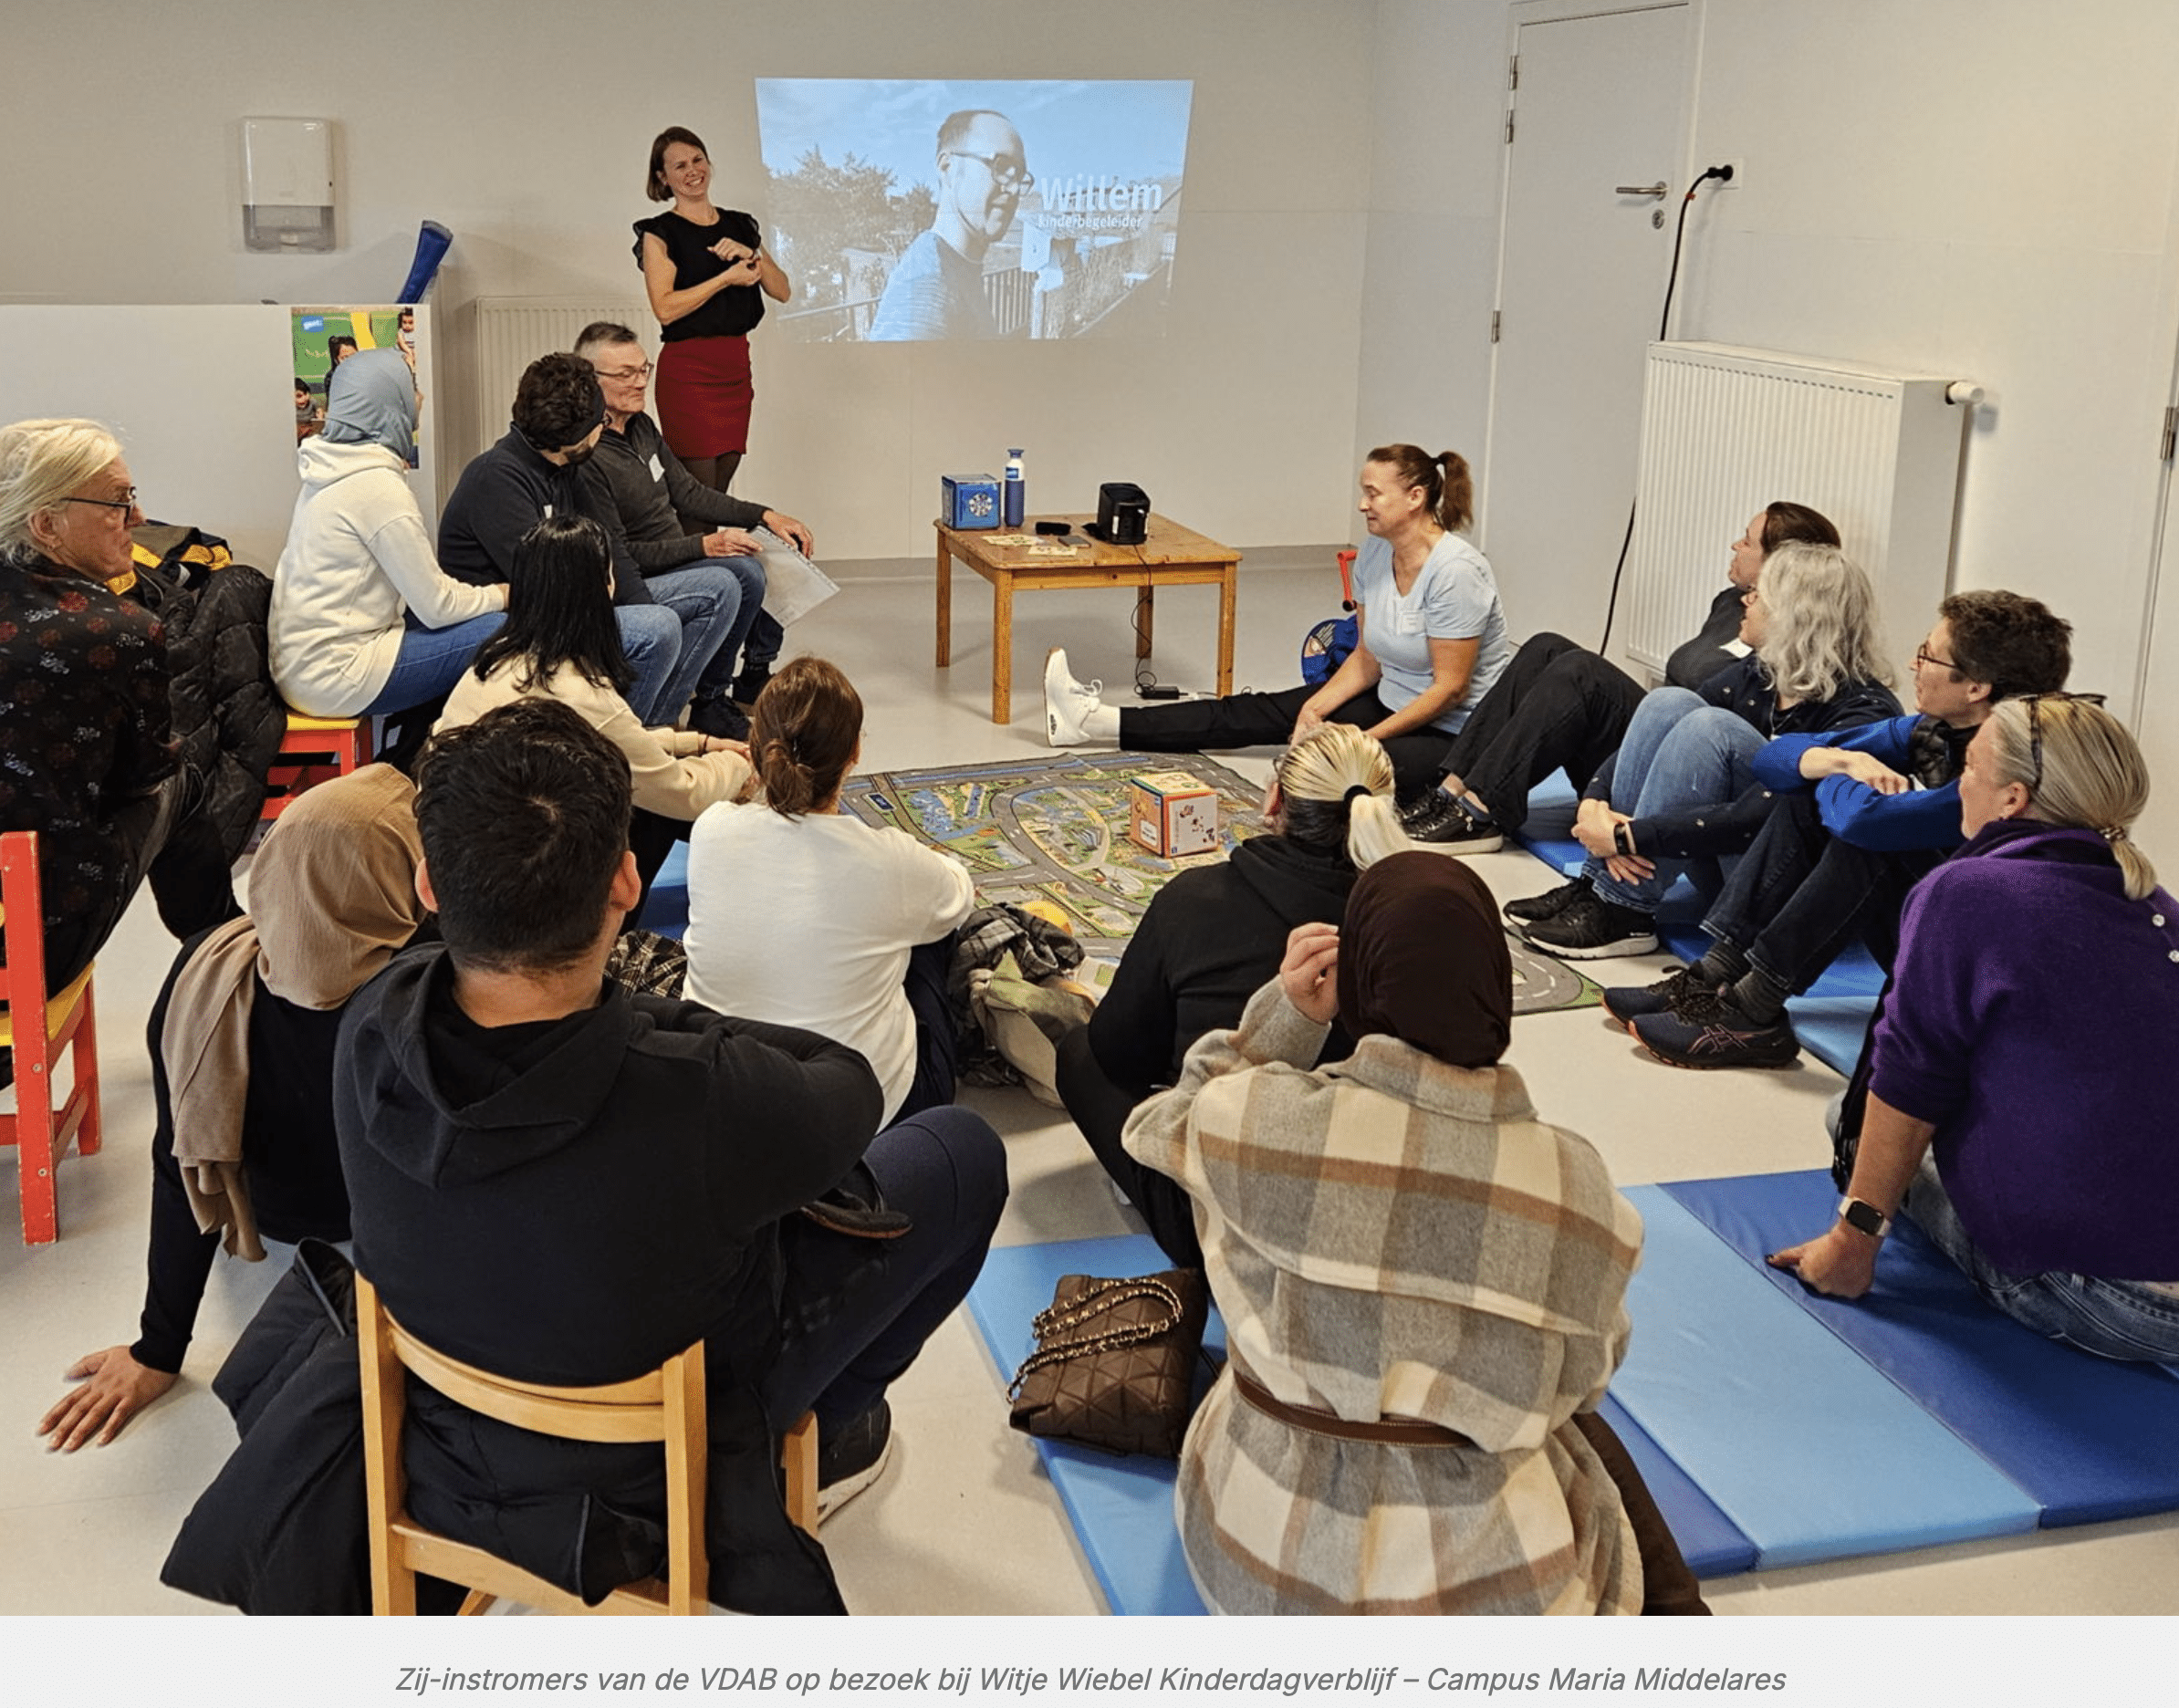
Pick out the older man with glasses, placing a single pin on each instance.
(936, 289)
(670, 521)
(1862, 815)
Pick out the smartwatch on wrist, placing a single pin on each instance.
(1864, 1218)
(1623, 838)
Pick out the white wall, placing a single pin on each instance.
(1437, 104)
(1984, 187)
(523, 129)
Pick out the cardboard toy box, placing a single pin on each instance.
(969, 501)
(1173, 815)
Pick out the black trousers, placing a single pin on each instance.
(1266, 720)
(1558, 705)
(1101, 1107)
(1801, 895)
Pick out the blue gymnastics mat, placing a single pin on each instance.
(1773, 1427)
(2086, 1438)
(1810, 1452)
(1121, 1508)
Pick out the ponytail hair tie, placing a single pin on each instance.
(1359, 788)
(2113, 833)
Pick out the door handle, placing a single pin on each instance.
(1657, 189)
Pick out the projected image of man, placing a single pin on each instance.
(936, 291)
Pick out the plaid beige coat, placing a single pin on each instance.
(1393, 1236)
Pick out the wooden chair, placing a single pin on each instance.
(667, 1406)
(314, 750)
(39, 1130)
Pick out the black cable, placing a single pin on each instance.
(1672, 284)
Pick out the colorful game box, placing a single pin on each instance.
(1173, 815)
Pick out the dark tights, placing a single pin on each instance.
(716, 472)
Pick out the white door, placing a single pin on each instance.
(1597, 110)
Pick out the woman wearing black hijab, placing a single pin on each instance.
(1422, 1286)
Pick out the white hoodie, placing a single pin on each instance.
(358, 560)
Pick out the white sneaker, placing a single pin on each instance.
(1068, 703)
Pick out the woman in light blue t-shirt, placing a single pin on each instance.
(1431, 640)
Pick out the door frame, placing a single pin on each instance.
(1519, 14)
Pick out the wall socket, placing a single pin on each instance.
(1738, 181)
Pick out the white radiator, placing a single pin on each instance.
(1727, 431)
(513, 331)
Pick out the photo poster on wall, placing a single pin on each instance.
(323, 338)
(972, 209)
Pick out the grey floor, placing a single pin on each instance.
(963, 1522)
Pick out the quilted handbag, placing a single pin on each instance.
(1114, 1366)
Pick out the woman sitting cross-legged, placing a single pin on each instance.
(804, 915)
(242, 1072)
(1424, 1288)
(2018, 1089)
(561, 642)
(363, 619)
(1210, 939)
(1560, 706)
(1681, 794)
(1430, 640)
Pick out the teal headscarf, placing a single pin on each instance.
(371, 400)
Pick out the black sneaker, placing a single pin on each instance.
(1592, 929)
(750, 683)
(1549, 905)
(1723, 1038)
(853, 1458)
(1453, 827)
(717, 715)
(1683, 991)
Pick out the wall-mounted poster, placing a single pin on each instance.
(972, 209)
(325, 337)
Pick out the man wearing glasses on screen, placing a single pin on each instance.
(936, 290)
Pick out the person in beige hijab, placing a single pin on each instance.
(242, 1053)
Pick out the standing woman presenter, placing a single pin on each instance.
(707, 276)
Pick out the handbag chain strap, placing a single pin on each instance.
(1058, 1320)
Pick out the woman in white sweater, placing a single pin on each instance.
(561, 643)
(802, 914)
(363, 619)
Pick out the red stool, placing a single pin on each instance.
(314, 750)
(39, 1130)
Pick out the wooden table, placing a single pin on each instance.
(1171, 556)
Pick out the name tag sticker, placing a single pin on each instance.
(658, 469)
(1408, 622)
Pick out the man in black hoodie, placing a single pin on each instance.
(562, 1183)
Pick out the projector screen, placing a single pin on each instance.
(972, 209)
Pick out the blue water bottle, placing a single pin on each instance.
(1017, 489)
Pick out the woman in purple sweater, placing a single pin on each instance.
(2019, 1086)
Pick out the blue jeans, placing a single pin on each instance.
(431, 662)
(707, 599)
(2113, 1319)
(1679, 752)
(651, 635)
(855, 1312)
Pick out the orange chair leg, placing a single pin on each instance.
(34, 1140)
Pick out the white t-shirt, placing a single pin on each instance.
(1454, 598)
(808, 922)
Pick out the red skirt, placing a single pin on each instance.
(704, 395)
